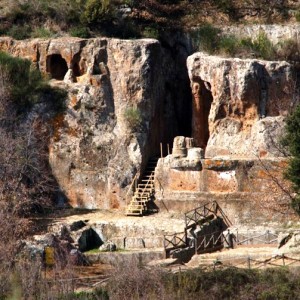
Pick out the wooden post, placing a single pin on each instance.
(283, 262)
(168, 146)
(161, 151)
(249, 266)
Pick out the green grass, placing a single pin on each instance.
(80, 31)
(210, 39)
(41, 32)
(206, 38)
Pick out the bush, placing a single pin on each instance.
(96, 11)
(19, 32)
(80, 31)
(22, 79)
(230, 45)
(207, 38)
(151, 32)
(264, 47)
(288, 50)
(41, 32)
(133, 118)
(297, 15)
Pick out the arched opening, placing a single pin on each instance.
(88, 240)
(202, 100)
(57, 66)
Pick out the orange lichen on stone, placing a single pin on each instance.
(57, 125)
(221, 182)
(72, 132)
(183, 181)
(113, 202)
(219, 164)
(73, 101)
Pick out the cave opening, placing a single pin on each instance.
(202, 100)
(57, 66)
(89, 240)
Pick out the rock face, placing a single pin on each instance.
(249, 191)
(112, 84)
(276, 33)
(239, 105)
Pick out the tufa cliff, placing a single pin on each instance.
(96, 150)
(239, 104)
(234, 110)
(238, 111)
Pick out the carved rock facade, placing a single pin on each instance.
(95, 152)
(239, 105)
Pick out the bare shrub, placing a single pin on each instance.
(133, 281)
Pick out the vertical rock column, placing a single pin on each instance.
(202, 99)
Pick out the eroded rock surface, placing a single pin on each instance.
(96, 149)
(239, 105)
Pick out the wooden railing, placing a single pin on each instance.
(210, 242)
(203, 243)
(247, 239)
(132, 188)
(195, 216)
(149, 183)
(174, 241)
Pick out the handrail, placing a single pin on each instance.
(150, 178)
(251, 239)
(130, 188)
(203, 211)
(212, 239)
(174, 239)
(133, 181)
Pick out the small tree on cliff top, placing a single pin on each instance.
(292, 141)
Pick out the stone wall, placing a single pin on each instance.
(249, 191)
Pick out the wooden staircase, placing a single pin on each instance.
(144, 192)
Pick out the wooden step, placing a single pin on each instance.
(143, 196)
(139, 208)
(144, 190)
(139, 194)
(131, 213)
(142, 185)
(136, 207)
(142, 199)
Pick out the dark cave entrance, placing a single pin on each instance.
(75, 66)
(88, 240)
(57, 66)
(202, 100)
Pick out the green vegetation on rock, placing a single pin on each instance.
(133, 118)
(292, 142)
(20, 18)
(24, 134)
(25, 85)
